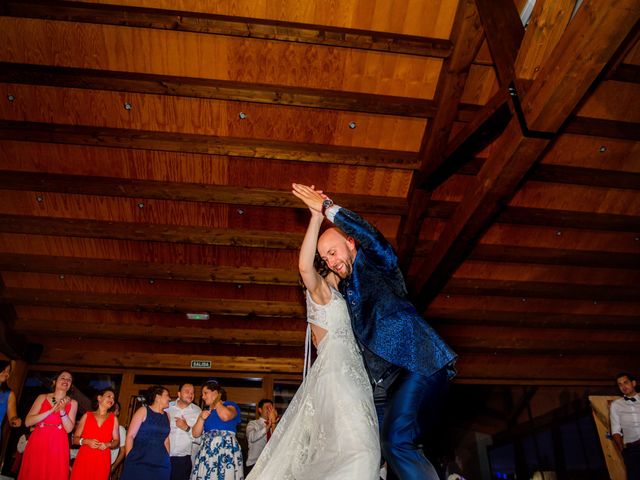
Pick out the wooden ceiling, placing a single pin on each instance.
(147, 150)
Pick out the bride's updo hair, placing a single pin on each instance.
(320, 265)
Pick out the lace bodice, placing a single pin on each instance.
(333, 317)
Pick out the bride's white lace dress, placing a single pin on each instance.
(330, 429)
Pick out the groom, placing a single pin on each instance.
(408, 363)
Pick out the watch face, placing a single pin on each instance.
(327, 203)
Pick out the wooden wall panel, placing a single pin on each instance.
(428, 18)
(208, 117)
(229, 58)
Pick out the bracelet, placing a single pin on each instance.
(61, 414)
(80, 442)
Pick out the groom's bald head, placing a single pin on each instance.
(338, 251)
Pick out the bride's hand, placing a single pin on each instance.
(311, 197)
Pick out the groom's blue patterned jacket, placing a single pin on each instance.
(384, 320)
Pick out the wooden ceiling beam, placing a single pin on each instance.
(590, 42)
(504, 33)
(149, 355)
(150, 319)
(149, 232)
(150, 303)
(133, 269)
(178, 332)
(547, 23)
(533, 289)
(230, 26)
(134, 82)
(569, 219)
(626, 73)
(205, 144)
(538, 340)
(554, 256)
(196, 192)
(600, 127)
(459, 152)
(592, 177)
(541, 368)
(12, 343)
(467, 38)
(582, 52)
(528, 318)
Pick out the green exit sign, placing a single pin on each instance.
(200, 363)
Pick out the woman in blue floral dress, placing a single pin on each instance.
(220, 457)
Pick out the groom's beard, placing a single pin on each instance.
(343, 270)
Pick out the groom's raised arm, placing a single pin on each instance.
(368, 237)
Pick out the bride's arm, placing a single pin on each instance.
(313, 281)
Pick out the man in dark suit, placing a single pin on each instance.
(408, 363)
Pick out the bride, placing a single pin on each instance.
(330, 429)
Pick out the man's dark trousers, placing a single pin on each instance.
(410, 414)
(181, 468)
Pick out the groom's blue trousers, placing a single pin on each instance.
(413, 404)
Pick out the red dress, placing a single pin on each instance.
(47, 453)
(93, 463)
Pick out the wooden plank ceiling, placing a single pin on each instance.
(147, 150)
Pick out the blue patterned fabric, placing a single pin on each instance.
(219, 458)
(384, 320)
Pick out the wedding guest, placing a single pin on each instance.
(183, 414)
(259, 431)
(117, 454)
(220, 456)
(147, 445)
(7, 397)
(54, 416)
(97, 433)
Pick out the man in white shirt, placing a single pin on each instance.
(259, 431)
(183, 415)
(625, 424)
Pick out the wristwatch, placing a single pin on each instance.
(326, 204)
(188, 429)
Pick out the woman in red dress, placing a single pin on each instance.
(54, 416)
(97, 433)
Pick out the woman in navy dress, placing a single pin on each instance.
(220, 457)
(147, 444)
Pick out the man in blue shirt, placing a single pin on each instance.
(408, 363)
